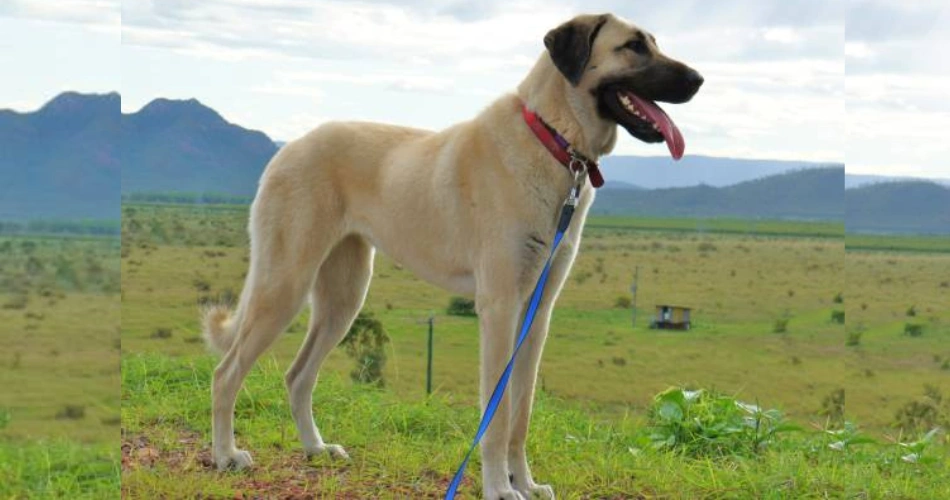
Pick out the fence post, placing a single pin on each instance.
(633, 288)
(429, 364)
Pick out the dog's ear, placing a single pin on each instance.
(570, 44)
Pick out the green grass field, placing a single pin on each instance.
(59, 366)
(599, 373)
(885, 243)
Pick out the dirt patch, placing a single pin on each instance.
(138, 452)
(290, 476)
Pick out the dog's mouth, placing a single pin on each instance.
(643, 119)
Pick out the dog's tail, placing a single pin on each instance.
(218, 327)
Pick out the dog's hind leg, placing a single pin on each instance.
(336, 298)
(284, 263)
(269, 306)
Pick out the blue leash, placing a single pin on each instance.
(567, 212)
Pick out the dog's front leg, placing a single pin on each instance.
(523, 380)
(498, 318)
(525, 373)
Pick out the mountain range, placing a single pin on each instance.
(63, 161)
(852, 181)
(899, 207)
(813, 193)
(661, 172)
(172, 145)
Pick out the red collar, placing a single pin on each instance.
(560, 148)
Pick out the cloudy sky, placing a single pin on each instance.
(775, 70)
(898, 73)
(47, 47)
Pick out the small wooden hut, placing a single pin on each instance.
(670, 317)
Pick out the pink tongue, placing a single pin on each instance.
(672, 135)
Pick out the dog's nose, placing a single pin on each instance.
(695, 79)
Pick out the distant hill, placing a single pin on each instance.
(662, 172)
(858, 180)
(172, 145)
(899, 207)
(815, 193)
(61, 161)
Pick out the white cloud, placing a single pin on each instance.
(858, 50)
(782, 35)
(774, 73)
(98, 13)
(403, 82)
(898, 112)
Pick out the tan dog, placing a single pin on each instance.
(472, 209)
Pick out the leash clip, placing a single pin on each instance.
(578, 168)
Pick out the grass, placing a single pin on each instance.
(599, 373)
(408, 448)
(59, 366)
(895, 243)
(48, 469)
(749, 227)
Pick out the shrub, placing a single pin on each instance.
(162, 333)
(365, 343)
(837, 317)
(703, 423)
(911, 311)
(780, 325)
(4, 418)
(72, 412)
(461, 306)
(927, 412)
(839, 298)
(913, 329)
(19, 301)
(201, 284)
(623, 302)
(854, 337)
(832, 406)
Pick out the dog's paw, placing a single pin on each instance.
(538, 492)
(508, 494)
(334, 451)
(234, 460)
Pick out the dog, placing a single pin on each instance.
(471, 209)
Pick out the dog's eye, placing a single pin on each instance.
(637, 46)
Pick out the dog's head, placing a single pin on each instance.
(621, 72)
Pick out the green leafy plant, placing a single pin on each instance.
(4, 418)
(704, 423)
(914, 452)
(847, 436)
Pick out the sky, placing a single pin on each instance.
(776, 85)
(898, 76)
